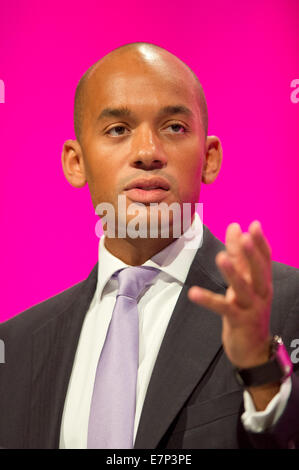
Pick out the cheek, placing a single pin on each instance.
(191, 155)
(190, 173)
(101, 177)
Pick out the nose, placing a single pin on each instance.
(147, 152)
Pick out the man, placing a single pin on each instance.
(71, 377)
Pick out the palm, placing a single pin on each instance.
(245, 308)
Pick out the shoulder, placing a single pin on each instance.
(40, 313)
(285, 303)
(283, 272)
(36, 316)
(285, 282)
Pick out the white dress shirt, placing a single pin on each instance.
(155, 309)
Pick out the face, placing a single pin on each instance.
(142, 134)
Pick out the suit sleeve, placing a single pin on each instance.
(285, 433)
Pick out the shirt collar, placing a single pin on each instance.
(175, 260)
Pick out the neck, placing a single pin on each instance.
(135, 252)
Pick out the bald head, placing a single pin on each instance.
(146, 53)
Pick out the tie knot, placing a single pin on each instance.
(131, 281)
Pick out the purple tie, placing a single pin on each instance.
(112, 412)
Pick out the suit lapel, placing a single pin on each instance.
(192, 340)
(53, 350)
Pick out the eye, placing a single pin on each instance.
(117, 131)
(177, 128)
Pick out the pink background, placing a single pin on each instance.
(245, 54)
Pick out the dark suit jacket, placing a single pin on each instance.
(193, 399)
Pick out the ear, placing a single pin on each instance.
(72, 163)
(213, 159)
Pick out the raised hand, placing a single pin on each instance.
(245, 308)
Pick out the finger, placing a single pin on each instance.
(232, 238)
(208, 299)
(243, 291)
(259, 268)
(234, 249)
(255, 229)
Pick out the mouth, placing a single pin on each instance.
(147, 190)
(149, 184)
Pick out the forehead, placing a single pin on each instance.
(143, 83)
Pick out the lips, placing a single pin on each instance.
(148, 184)
(147, 190)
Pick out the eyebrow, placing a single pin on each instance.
(124, 112)
(176, 109)
(115, 112)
